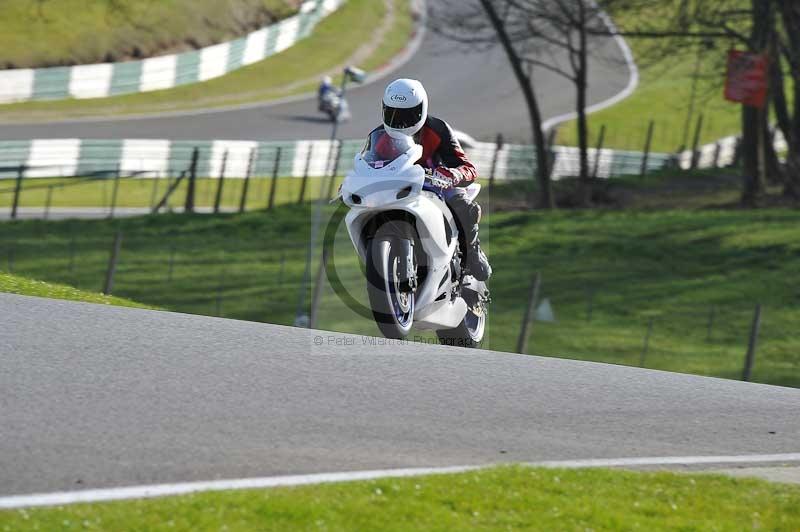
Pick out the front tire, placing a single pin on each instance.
(391, 300)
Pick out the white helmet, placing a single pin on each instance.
(327, 80)
(405, 107)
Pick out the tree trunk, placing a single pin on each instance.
(790, 14)
(585, 185)
(778, 94)
(753, 141)
(546, 200)
(752, 156)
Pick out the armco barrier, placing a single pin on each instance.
(157, 158)
(163, 72)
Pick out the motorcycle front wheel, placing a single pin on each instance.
(391, 297)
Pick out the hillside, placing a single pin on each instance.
(41, 33)
(691, 277)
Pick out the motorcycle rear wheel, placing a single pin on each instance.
(468, 334)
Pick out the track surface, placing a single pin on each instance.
(474, 91)
(96, 396)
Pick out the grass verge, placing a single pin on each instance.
(294, 71)
(75, 192)
(12, 284)
(690, 277)
(664, 96)
(70, 32)
(495, 499)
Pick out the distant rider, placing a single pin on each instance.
(325, 90)
(405, 112)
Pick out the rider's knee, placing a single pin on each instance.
(470, 211)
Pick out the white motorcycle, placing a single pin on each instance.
(336, 107)
(409, 241)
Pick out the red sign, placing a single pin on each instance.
(746, 81)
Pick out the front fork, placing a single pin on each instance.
(408, 270)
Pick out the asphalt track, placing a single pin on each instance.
(94, 396)
(474, 91)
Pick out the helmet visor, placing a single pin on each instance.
(397, 118)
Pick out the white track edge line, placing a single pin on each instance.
(633, 80)
(163, 490)
(185, 488)
(669, 460)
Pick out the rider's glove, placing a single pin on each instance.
(451, 176)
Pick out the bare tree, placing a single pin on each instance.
(488, 23)
(550, 35)
(554, 35)
(675, 24)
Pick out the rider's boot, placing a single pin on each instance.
(477, 264)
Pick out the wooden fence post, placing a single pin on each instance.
(600, 141)
(274, 185)
(647, 143)
(497, 147)
(696, 142)
(17, 191)
(316, 297)
(108, 288)
(752, 345)
(115, 192)
(305, 174)
(250, 168)
(221, 183)
(551, 153)
(533, 297)
(717, 153)
(190, 189)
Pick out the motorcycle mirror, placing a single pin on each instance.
(355, 74)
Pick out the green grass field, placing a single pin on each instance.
(296, 70)
(12, 284)
(607, 274)
(663, 96)
(40, 33)
(78, 192)
(504, 498)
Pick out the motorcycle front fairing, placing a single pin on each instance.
(398, 185)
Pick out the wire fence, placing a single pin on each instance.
(254, 272)
(101, 173)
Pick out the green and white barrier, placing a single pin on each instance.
(163, 72)
(159, 158)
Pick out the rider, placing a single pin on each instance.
(325, 88)
(405, 112)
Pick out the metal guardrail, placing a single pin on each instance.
(315, 158)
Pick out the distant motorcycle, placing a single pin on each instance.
(409, 241)
(336, 107)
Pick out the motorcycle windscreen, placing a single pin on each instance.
(382, 149)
